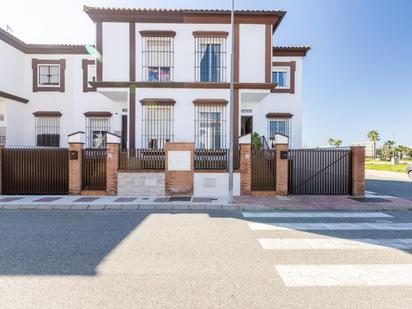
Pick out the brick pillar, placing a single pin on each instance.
(245, 169)
(113, 142)
(179, 169)
(76, 145)
(358, 170)
(282, 169)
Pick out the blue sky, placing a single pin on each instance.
(356, 78)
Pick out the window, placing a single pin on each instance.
(158, 58)
(281, 77)
(210, 54)
(97, 127)
(279, 125)
(283, 74)
(157, 125)
(89, 74)
(210, 127)
(48, 75)
(47, 129)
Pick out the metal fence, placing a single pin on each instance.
(142, 159)
(320, 171)
(211, 159)
(94, 169)
(35, 171)
(263, 169)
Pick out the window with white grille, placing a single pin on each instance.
(158, 54)
(157, 126)
(47, 131)
(210, 127)
(49, 75)
(210, 54)
(91, 73)
(279, 126)
(96, 131)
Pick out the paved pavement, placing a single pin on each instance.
(209, 259)
(395, 184)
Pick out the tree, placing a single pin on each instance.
(337, 143)
(374, 137)
(387, 150)
(402, 150)
(331, 142)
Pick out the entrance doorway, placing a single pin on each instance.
(246, 125)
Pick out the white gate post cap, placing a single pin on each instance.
(281, 139)
(245, 139)
(76, 137)
(112, 138)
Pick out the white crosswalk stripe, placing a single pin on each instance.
(329, 226)
(362, 273)
(315, 215)
(345, 275)
(335, 244)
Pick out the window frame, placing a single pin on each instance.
(210, 106)
(36, 63)
(85, 67)
(157, 129)
(104, 118)
(285, 70)
(279, 117)
(290, 85)
(50, 118)
(210, 38)
(166, 55)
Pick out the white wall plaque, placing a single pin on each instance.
(179, 161)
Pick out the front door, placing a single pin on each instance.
(247, 125)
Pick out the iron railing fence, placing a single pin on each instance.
(35, 170)
(142, 159)
(211, 159)
(322, 171)
(94, 169)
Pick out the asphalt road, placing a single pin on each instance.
(137, 259)
(395, 184)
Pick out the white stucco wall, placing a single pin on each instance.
(215, 184)
(252, 53)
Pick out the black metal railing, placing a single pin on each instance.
(263, 169)
(94, 169)
(211, 159)
(142, 159)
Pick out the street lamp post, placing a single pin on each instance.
(231, 107)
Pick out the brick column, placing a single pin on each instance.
(179, 168)
(76, 145)
(282, 169)
(358, 170)
(113, 142)
(245, 169)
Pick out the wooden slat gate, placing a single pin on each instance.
(263, 170)
(35, 171)
(94, 169)
(320, 171)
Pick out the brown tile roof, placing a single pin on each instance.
(290, 51)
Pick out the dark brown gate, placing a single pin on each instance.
(94, 169)
(320, 171)
(35, 171)
(263, 170)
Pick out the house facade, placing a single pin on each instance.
(152, 77)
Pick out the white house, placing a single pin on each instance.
(153, 76)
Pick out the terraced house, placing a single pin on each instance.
(151, 77)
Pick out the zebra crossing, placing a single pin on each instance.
(301, 232)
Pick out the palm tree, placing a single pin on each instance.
(331, 142)
(402, 150)
(337, 143)
(374, 137)
(387, 149)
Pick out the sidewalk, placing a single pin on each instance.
(372, 201)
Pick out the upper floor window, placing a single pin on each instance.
(210, 125)
(89, 74)
(158, 56)
(47, 129)
(97, 127)
(157, 122)
(210, 54)
(48, 75)
(283, 75)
